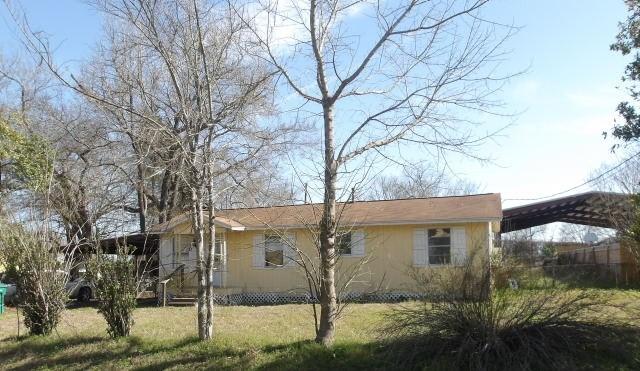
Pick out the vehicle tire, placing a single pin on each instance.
(84, 295)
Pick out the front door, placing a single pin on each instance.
(188, 257)
(188, 253)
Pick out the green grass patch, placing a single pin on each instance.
(261, 338)
(267, 338)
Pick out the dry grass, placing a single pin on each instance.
(273, 337)
(270, 337)
(282, 323)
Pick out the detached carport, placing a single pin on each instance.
(598, 209)
(609, 260)
(143, 247)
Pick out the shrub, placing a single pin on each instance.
(466, 326)
(40, 276)
(116, 289)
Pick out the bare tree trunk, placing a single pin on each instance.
(210, 260)
(197, 217)
(142, 199)
(328, 300)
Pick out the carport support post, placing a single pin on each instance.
(164, 293)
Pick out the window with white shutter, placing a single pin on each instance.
(272, 250)
(439, 246)
(350, 243)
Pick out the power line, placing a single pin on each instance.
(602, 175)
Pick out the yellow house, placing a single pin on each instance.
(259, 251)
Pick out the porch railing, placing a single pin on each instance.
(169, 277)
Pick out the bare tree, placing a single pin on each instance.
(623, 212)
(84, 189)
(309, 264)
(181, 71)
(419, 181)
(524, 245)
(381, 77)
(191, 81)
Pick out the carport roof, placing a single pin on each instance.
(144, 244)
(599, 209)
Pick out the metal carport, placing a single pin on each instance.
(599, 209)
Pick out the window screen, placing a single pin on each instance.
(439, 246)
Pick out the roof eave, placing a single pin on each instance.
(383, 224)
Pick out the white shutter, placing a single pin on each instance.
(357, 243)
(458, 246)
(192, 264)
(420, 251)
(166, 255)
(258, 251)
(289, 250)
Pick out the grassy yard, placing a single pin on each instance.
(275, 337)
(270, 337)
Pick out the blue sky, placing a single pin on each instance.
(567, 97)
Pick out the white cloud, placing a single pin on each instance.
(285, 23)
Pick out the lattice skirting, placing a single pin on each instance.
(276, 298)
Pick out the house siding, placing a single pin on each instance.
(389, 250)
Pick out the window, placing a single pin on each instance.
(186, 251)
(273, 251)
(343, 243)
(217, 257)
(439, 246)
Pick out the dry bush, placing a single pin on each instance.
(462, 324)
(40, 276)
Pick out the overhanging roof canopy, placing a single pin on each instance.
(144, 244)
(599, 209)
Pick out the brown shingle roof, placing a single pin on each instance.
(404, 211)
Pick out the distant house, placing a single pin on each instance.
(257, 260)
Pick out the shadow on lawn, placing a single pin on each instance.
(93, 303)
(307, 355)
(80, 353)
(30, 353)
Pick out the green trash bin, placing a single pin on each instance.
(3, 291)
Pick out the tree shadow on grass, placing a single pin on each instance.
(592, 347)
(15, 347)
(28, 353)
(76, 353)
(307, 355)
(93, 303)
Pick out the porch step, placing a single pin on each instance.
(148, 294)
(182, 301)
